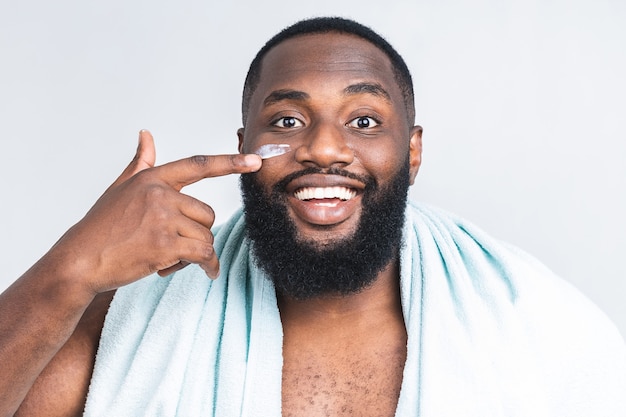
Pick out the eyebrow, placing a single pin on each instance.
(280, 95)
(368, 88)
(374, 89)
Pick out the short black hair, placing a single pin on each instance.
(326, 25)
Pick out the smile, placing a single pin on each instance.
(323, 193)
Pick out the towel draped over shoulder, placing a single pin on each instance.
(491, 332)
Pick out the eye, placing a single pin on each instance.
(363, 122)
(288, 122)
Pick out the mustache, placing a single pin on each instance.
(281, 186)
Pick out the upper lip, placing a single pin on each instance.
(324, 180)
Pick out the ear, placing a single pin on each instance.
(415, 152)
(240, 133)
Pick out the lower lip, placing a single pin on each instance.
(324, 212)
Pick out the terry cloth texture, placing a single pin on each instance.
(491, 332)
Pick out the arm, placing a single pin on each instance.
(61, 388)
(36, 319)
(142, 224)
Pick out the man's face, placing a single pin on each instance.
(333, 98)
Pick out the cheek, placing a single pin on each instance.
(382, 160)
(252, 139)
(272, 171)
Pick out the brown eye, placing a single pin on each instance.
(363, 122)
(288, 122)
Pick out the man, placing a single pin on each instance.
(332, 297)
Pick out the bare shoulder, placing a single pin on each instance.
(61, 389)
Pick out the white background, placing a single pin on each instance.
(523, 105)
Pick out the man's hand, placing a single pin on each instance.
(143, 224)
(140, 225)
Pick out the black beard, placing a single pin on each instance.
(304, 269)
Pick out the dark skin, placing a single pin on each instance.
(334, 99)
(52, 315)
(345, 353)
(343, 359)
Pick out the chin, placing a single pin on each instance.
(324, 236)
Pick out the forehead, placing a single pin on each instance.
(317, 60)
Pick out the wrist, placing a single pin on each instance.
(59, 279)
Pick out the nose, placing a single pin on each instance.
(325, 146)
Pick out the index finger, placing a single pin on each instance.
(186, 171)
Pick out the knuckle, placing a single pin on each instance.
(206, 252)
(155, 192)
(205, 213)
(210, 239)
(209, 251)
(203, 234)
(163, 240)
(236, 161)
(161, 216)
(144, 176)
(210, 212)
(199, 160)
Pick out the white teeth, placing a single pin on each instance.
(319, 193)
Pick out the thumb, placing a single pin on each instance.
(144, 158)
(145, 155)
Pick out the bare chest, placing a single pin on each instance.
(344, 381)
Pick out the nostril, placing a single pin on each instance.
(325, 149)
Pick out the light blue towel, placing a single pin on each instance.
(491, 332)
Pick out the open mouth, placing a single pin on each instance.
(324, 199)
(325, 193)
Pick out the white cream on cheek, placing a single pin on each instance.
(271, 150)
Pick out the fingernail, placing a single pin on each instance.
(139, 136)
(252, 159)
(210, 274)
